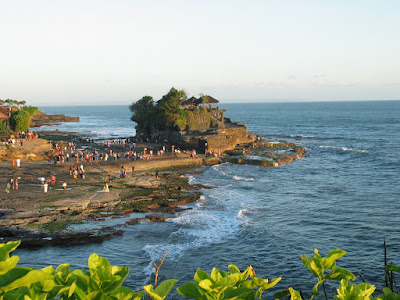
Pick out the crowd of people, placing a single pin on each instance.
(68, 152)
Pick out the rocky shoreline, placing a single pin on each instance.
(42, 219)
(40, 119)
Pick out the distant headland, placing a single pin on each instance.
(16, 116)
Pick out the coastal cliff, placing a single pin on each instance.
(41, 118)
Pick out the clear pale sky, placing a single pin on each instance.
(115, 52)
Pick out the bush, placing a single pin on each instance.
(4, 127)
(20, 120)
(103, 281)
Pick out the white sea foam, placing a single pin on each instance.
(191, 179)
(201, 226)
(217, 168)
(239, 178)
(344, 149)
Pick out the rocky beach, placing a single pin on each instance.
(156, 187)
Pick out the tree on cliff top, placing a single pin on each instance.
(144, 113)
(169, 107)
(164, 115)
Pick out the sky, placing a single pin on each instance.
(115, 52)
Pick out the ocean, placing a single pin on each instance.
(344, 194)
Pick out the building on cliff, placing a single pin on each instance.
(202, 126)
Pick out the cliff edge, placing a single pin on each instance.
(41, 118)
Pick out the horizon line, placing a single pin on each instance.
(283, 101)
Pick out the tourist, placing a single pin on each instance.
(8, 188)
(45, 187)
(122, 174)
(64, 186)
(105, 188)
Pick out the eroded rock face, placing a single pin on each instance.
(40, 119)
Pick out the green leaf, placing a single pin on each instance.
(96, 296)
(215, 275)
(357, 291)
(312, 265)
(206, 284)
(339, 274)
(124, 293)
(249, 272)
(388, 295)
(8, 264)
(233, 269)
(237, 293)
(162, 290)
(329, 262)
(62, 273)
(119, 275)
(294, 295)
(271, 283)
(316, 253)
(96, 262)
(316, 286)
(165, 287)
(191, 290)
(336, 254)
(79, 293)
(201, 275)
(315, 266)
(282, 294)
(17, 294)
(229, 280)
(27, 280)
(393, 268)
(5, 249)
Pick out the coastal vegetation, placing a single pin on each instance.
(163, 114)
(4, 127)
(12, 101)
(20, 120)
(16, 115)
(103, 281)
(169, 113)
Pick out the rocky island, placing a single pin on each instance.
(144, 175)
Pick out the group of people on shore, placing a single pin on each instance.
(12, 185)
(18, 139)
(77, 171)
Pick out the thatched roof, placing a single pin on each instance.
(190, 101)
(210, 100)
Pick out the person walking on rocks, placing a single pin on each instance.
(45, 187)
(64, 186)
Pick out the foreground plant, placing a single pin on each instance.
(101, 281)
(226, 285)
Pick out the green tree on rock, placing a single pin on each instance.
(169, 109)
(20, 120)
(144, 113)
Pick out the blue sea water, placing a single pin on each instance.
(344, 194)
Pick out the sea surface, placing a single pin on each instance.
(344, 194)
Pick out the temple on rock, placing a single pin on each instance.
(188, 123)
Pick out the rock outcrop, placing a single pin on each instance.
(40, 119)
